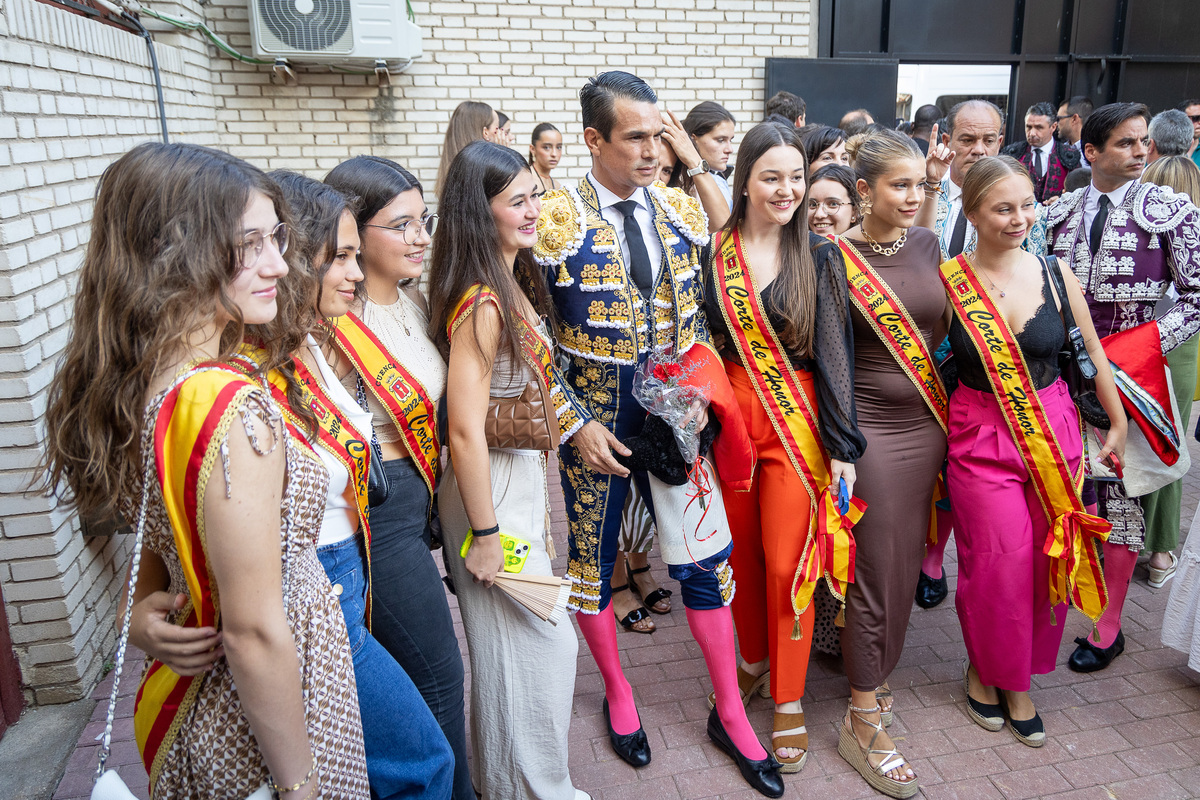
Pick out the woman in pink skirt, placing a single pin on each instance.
(1014, 454)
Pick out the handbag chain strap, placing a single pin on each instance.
(123, 640)
(360, 396)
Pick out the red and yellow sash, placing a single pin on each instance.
(188, 432)
(533, 347)
(829, 549)
(895, 328)
(407, 402)
(1075, 574)
(903, 339)
(335, 434)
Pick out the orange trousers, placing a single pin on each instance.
(769, 524)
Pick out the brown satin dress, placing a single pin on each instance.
(905, 450)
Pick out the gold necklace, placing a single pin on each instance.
(880, 249)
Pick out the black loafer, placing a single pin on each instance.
(931, 591)
(1089, 658)
(633, 748)
(762, 775)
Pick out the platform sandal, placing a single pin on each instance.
(789, 732)
(884, 695)
(859, 757)
(748, 686)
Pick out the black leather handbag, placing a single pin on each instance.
(1074, 362)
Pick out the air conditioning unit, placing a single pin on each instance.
(334, 31)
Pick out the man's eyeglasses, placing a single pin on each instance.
(1061, 117)
(252, 243)
(1194, 117)
(411, 231)
(830, 206)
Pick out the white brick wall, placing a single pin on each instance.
(74, 94)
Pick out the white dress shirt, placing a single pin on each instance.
(607, 199)
(954, 198)
(1091, 204)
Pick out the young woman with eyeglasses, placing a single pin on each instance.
(415, 762)
(397, 371)
(832, 200)
(186, 252)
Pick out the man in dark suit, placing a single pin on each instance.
(1047, 159)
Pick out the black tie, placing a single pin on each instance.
(959, 236)
(1098, 224)
(1037, 163)
(639, 259)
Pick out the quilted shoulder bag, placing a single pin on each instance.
(525, 422)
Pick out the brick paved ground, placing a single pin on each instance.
(1131, 732)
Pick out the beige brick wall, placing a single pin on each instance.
(74, 94)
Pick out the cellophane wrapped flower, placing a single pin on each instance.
(659, 386)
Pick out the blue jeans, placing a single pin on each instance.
(407, 753)
(410, 615)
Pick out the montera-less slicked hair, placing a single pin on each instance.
(598, 97)
(1105, 119)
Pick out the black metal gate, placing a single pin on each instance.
(1108, 50)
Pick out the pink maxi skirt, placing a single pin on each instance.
(999, 527)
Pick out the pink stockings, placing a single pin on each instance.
(600, 631)
(936, 553)
(713, 631)
(1119, 562)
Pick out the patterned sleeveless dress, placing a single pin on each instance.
(210, 751)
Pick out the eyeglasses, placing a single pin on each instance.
(1194, 117)
(411, 230)
(252, 244)
(830, 206)
(1061, 117)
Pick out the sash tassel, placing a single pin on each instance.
(828, 553)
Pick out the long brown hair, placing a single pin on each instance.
(165, 245)
(467, 122)
(794, 297)
(466, 246)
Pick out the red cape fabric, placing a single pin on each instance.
(733, 451)
(1138, 351)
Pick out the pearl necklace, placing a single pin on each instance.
(880, 249)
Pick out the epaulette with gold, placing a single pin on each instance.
(560, 228)
(684, 211)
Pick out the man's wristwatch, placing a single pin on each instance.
(696, 170)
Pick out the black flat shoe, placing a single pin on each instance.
(1089, 658)
(931, 591)
(633, 748)
(1029, 732)
(763, 776)
(989, 716)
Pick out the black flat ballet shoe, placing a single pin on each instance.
(1089, 658)
(763, 776)
(989, 716)
(931, 591)
(1029, 732)
(633, 748)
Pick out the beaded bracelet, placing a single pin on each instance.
(296, 786)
